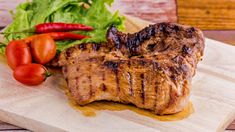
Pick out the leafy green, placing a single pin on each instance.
(90, 12)
(2, 48)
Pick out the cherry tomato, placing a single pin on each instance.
(43, 49)
(31, 74)
(18, 53)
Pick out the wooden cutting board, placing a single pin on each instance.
(46, 108)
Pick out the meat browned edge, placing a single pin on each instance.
(151, 69)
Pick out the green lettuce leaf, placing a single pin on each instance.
(2, 48)
(90, 12)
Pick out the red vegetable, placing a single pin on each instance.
(66, 35)
(60, 27)
(31, 74)
(43, 48)
(18, 53)
(58, 36)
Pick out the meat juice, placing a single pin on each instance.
(91, 110)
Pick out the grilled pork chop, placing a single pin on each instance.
(151, 69)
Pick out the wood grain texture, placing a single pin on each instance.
(207, 14)
(226, 36)
(45, 107)
(155, 11)
(150, 10)
(5, 7)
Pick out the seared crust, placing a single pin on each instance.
(151, 69)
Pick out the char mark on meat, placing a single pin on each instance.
(152, 68)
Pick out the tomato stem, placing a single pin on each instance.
(48, 74)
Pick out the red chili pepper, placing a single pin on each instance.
(60, 27)
(66, 35)
(58, 36)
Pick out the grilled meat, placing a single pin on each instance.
(151, 69)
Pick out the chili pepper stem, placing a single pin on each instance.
(14, 33)
(31, 30)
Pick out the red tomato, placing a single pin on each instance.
(43, 49)
(31, 74)
(18, 53)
